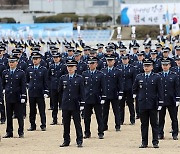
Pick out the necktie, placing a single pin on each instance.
(91, 74)
(11, 72)
(165, 75)
(70, 78)
(146, 77)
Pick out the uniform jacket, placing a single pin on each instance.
(72, 91)
(150, 91)
(93, 86)
(14, 85)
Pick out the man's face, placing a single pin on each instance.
(135, 50)
(110, 63)
(13, 64)
(122, 52)
(36, 61)
(178, 62)
(159, 49)
(153, 56)
(86, 52)
(71, 69)
(56, 59)
(165, 54)
(92, 66)
(93, 54)
(77, 58)
(100, 49)
(125, 61)
(166, 67)
(146, 49)
(178, 52)
(109, 52)
(1, 53)
(70, 53)
(147, 68)
(140, 57)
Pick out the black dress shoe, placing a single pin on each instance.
(8, 136)
(31, 129)
(87, 136)
(79, 145)
(54, 123)
(155, 146)
(21, 135)
(64, 145)
(175, 138)
(43, 128)
(117, 129)
(101, 136)
(2, 122)
(143, 146)
(160, 137)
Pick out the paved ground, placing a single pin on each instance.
(125, 141)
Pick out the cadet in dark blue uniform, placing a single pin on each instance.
(147, 49)
(100, 53)
(171, 96)
(148, 87)
(159, 50)
(94, 90)
(22, 65)
(30, 62)
(3, 66)
(14, 83)
(166, 52)
(113, 92)
(176, 69)
(93, 53)
(37, 90)
(133, 56)
(177, 50)
(2, 107)
(70, 52)
(122, 51)
(86, 53)
(157, 63)
(139, 69)
(55, 71)
(128, 76)
(81, 66)
(71, 86)
(3, 58)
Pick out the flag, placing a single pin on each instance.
(167, 21)
(175, 26)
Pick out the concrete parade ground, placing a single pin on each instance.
(125, 141)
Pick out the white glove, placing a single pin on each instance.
(134, 95)
(177, 103)
(119, 97)
(4, 91)
(23, 101)
(81, 108)
(159, 108)
(45, 96)
(102, 101)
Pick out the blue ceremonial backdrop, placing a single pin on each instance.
(37, 30)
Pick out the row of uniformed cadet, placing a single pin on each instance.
(36, 73)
